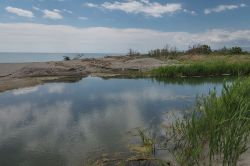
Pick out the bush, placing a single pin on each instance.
(236, 50)
(164, 52)
(230, 51)
(199, 49)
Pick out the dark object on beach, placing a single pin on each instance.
(66, 58)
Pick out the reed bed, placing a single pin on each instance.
(216, 68)
(217, 130)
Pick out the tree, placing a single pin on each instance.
(236, 50)
(199, 49)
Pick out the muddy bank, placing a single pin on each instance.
(17, 75)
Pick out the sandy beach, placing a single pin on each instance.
(17, 75)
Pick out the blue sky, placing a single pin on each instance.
(115, 26)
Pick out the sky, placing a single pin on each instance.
(115, 26)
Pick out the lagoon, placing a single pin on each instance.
(65, 123)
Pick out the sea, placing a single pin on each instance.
(45, 57)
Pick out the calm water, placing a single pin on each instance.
(61, 123)
(42, 57)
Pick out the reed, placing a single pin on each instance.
(216, 68)
(147, 141)
(218, 127)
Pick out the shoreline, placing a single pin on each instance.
(20, 75)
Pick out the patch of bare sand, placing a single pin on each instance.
(245, 159)
(9, 68)
(102, 67)
(140, 64)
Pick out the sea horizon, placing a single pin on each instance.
(23, 57)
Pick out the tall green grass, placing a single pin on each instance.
(216, 68)
(217, 130)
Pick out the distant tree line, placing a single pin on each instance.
(206, 49)
(232, 50)
(199, 49)
(166, 51)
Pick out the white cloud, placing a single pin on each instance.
(19, 12)
(54, 15)
(57, 10)
(36, 8)
(82, 18)
(91, 5)
(222, 8)
(68, 11)
(54, 10)
(189, 12)
(153, 9)
(29, 37)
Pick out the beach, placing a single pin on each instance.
(17, 75)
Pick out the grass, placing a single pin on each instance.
(147, 141)
(217, 130)
(216, 68)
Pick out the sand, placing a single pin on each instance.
(17, 75)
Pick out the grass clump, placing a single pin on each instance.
(216, 68)
(217, 130)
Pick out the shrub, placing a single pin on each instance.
(164, 52)
(199, 49)
(236, 50)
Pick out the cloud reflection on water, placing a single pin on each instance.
(65, 122)
(23, 91)
(52, 129)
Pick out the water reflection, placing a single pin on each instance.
(60, 123)
(24, 91)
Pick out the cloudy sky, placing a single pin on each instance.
(117, 25)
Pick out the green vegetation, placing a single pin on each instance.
(217, 130)
(199, 49)
(199, 60)
(216, 68)
(230, 51)
(147, 141)
(192, 80)
(167, 51)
